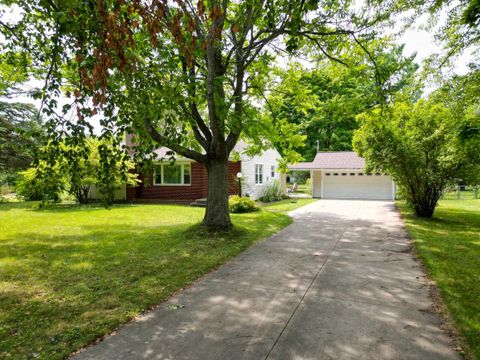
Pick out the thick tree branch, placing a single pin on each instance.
(215, 91)
(163, 141)
(205, 138)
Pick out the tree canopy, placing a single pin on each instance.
(183, 74)
(21, 135)
(462, 27)
(322, 102)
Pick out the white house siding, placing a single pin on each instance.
(119, 194)
(267, 159)
(317, 183)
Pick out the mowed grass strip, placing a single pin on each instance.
(70, 274)
(449, 246)
(288, 204)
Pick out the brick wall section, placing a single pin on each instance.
(198, 188)
(233, 169)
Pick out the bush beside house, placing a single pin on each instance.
(240, 205)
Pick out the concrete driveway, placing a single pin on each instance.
(339, 283)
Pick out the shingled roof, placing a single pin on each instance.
(332, 160)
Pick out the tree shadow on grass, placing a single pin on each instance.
(446, 217)
(60, 292)
(240, 310)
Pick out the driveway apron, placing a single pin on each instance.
(339, 283)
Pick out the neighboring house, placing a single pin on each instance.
(259, 170)
(341, 175)
(185, 180)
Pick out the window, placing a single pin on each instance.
(258, 173)
(360, 174)
(344, 174)
(186, 174)
(378, 174)
(172, 174)
(272, 171)
(352, 174)
(335, 174)
(368, 174)
(328, 174)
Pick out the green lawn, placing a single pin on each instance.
(69, 275)
(460, 195)
(288, 204)
(449, 246)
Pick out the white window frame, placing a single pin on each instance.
(257, 177)
(182, 173)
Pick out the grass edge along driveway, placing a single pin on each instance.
(449, 246)
(70, 274)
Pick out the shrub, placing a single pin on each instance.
(423, 145)
(239, 204)
(36, 186)
(271, 192)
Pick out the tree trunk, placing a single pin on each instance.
(424, 211)
(217, 215)
(82, 194)
(426, 206)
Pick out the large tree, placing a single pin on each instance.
(21, 135)
(21, 131)
(182, 74)
(323, 101)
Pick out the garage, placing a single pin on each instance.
(356, 185)
(342, 175)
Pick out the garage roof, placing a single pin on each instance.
(332, 160)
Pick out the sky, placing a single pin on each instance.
(422, 43)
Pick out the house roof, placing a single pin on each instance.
(166, 153)
(332, 160)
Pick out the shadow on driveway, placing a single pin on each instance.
(339, 283)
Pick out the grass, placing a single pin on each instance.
(460, 195)
(68, 275)
(287, 204)
(449, 246)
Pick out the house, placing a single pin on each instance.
(341, 175)
(259, 170)
(185, 180)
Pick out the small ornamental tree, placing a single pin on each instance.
(42, 183)
(76, 170)
(82, 170)
(177, 73)
(421, 145)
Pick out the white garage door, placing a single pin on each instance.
(354, 185)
